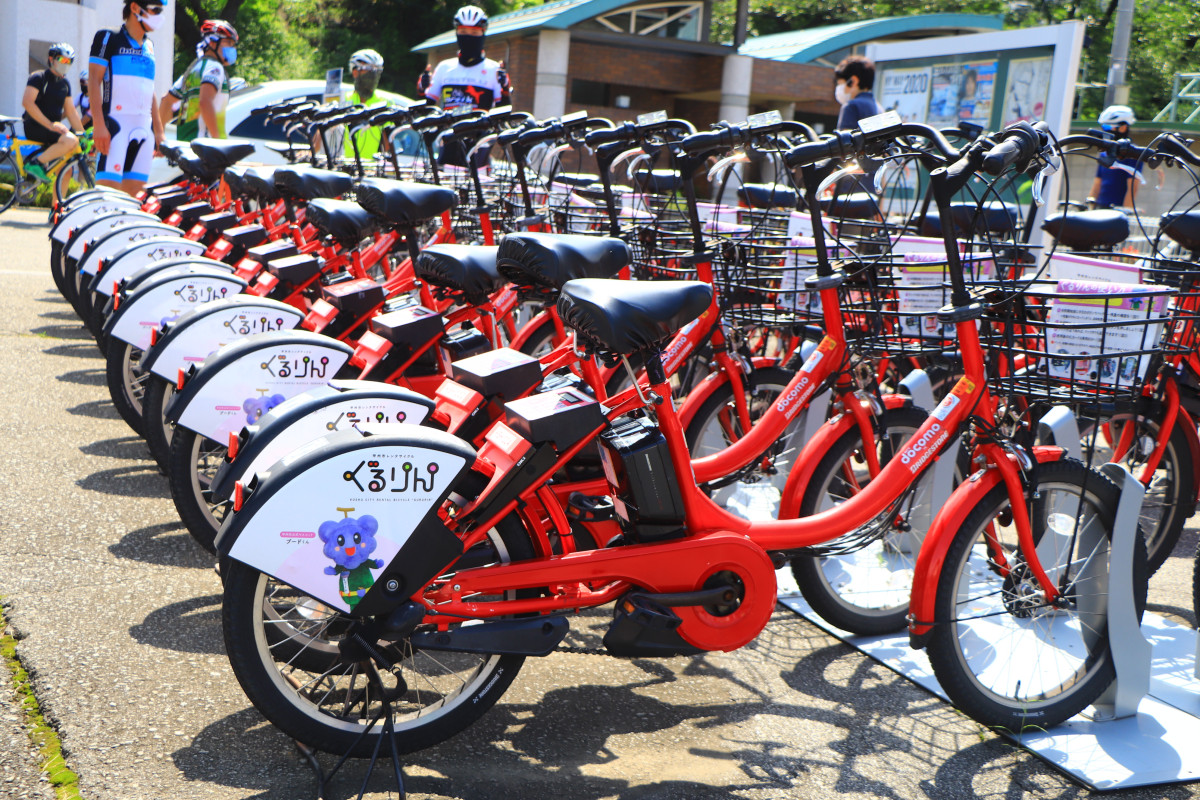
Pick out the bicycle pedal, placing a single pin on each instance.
(590, 508)
(642, 627)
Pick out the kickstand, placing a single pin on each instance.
(389, 732)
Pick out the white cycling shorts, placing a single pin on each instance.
(131, 151)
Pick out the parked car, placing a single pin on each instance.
(240, 125)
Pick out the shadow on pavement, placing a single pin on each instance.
(244, 751)
(130, 448)
(84, 349)
(132, 481)
(97, 409)
(189, 626)
(84, 377)
(67, 331)
(167, 544)
(66, 315)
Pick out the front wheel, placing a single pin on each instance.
(80, 171)
(157, 429)
(10, 180)
(1004, 656)
(324, 701)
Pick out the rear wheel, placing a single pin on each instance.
(157, 429)
(1003, 655)
(10, 180)
(317, 695)
(866, 591)
(192, 463)
(126, 381)
(78, 171)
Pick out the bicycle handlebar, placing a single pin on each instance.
(1019, 142)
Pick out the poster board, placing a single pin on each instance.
(992, 79)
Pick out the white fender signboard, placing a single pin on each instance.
(163, 303)
(199, 340)
(245, 389)
(332, 529)
(135, 258)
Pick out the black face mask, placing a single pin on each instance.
(470, 50)
(365, 83)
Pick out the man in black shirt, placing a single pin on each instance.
(47, 98)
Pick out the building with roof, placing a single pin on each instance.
(618, 59)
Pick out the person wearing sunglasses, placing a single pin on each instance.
(46, 101)
(1116, 186)
(202, 91)
(125, 122)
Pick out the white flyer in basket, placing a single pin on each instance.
(902, 245)
(921, 291)
(1070, 267)
(799, 263)
(1102, 329)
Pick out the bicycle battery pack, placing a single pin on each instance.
(410, 327)
(637, 465)
(295, 269)
(355, 297)
(505, 373)
(561, 418)
(265, 253)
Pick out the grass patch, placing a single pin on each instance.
(43, 736)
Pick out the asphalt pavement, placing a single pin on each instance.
(118, 617)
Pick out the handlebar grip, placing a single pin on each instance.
(1021, 143)
(1178, 150)
(810, 153)
(623, 132)
(695, 143)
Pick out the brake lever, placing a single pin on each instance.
(1053, 164)
(725, 164)
(851, 169)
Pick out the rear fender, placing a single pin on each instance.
(336, 406)
(1189, 433)
(165, 297)
(383, 489)
(100, 205)
(136, 257)
(199, 332)
(932, 557)
(527, 330)
(239, 383)
(699, 395)
(112, 245)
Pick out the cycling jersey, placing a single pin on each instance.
(369, 140)
(128, 74)
(1114, 183)
(126, 104)
(53, 92)
(204, 69)
(456, 86)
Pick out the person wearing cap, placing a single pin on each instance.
(469, 80)
(47, 99)
(1116, 185)
(125, 122)
(202, 91)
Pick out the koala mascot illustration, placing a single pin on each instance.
(255, 407)
(348, 543)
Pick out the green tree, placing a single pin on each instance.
(268, 48)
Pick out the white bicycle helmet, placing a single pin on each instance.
(1117, 115)
(470, 17)
(366, 59)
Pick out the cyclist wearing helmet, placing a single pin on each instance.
(1116, 185)
(469, 80)
(202, 91)
(121, 83)
(365, 68)
(47, 98)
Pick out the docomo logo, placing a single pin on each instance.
(935, 432)
(799, 389)
(681, 348)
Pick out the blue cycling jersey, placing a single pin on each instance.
(128, 74)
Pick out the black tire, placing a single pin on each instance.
(864, 592)
(81, 295)
(1002, 659)
(191, 464)
(446, 691)
(97, 315)
(1171, 497)
(715, 427)
(56, 270)
(126, 381)
(10, 177)
(62, 182)
(541, 341)
(157, 430)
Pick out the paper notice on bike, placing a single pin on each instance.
(714, 211)
(799, 263)
(1102, 340)
(919, 244)
(1070, 267)
(922, 289)
(799, 224)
